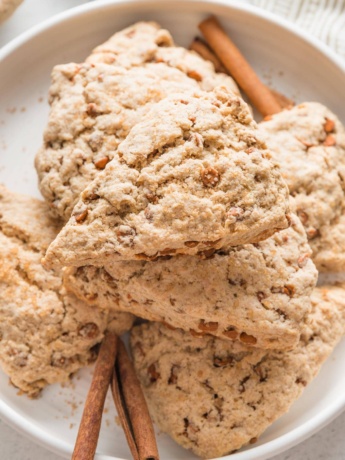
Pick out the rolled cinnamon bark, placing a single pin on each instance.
(238, 67)
(200, 47)
(90, 425)
(283, 101)
(132, 408)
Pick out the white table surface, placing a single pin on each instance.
(328, 444)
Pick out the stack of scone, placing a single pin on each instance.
(166, 205)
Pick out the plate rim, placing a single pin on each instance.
(233, 4)
(17, 421)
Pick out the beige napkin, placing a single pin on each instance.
(325, 19)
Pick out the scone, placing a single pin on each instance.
(212, 396)
(191, 177)
(146, 42)
(132, 46)
(94, 105)
(258, 294)
(308, 142)
(93, 108)
(46, 334)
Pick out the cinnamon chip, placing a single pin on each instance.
(195, 75)
(101, 163)
(231, 334)
(246, 338)
(81, 216)
(329, 141)
(208, 327)
(329, 126)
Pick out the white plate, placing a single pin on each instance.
(296, 65)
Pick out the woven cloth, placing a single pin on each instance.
(325, 19)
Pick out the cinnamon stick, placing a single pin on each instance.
(132, 408)
(283, 101)
(200, 47)
(238, 67)
(90, 424)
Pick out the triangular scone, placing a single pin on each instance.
(258, 294)
(146, 42)
(308, 142)
(94, 105)
(214, 397)
(132, 46)
(46, 334)
(93, 108)
(191, 177)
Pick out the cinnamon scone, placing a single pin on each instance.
(258, 294)
(46, 334)
(94, 105)
(93, 108)
(193, 176)
(308, 142)
(212, 396)
(147, 42)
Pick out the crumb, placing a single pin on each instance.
(74, 406)
(11, 109)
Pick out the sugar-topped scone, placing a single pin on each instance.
(93, 108)
(46, 334)
(192, 176)
(212, 396)
(308, 142)
(147, 42)
(258, 294)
